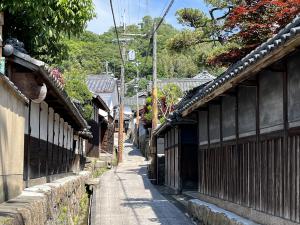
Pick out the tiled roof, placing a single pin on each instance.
(204, 75)
(185, 84)
(14, 88)
(45, 70)
(290, 32)
(131, 101)
(101, 83)
(287, 33)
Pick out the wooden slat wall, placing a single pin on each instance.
(50, 143)
(172, 167)
(267, 179)
(261, 171)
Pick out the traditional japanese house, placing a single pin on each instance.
(12, 126)
(105, 86)
(180, 145)
(55, 131)
(99, 127)
(248, 134)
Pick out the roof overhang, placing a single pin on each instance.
(100, 103)
(56, 98)
(282, 44)
(172, 123)
(14, 88)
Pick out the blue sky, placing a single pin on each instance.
(135, 10)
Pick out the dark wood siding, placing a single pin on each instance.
(260, 167)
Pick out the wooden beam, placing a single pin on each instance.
(248, 83)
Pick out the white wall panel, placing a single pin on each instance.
(44, 121)
(50, 125)
(56, 129)
(61, 132)
(34, 119)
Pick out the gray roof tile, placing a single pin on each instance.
(101, 83)
(285, 34)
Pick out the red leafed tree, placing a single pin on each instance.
(254, 22)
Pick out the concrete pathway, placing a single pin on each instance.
(125, 196)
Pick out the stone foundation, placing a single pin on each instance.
(207, 214)
(48, 204)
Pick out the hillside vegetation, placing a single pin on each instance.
(89, 52)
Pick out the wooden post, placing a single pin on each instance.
(154, 82)
(121, 110)
(1, 31)
(137, 109)
(153, 146)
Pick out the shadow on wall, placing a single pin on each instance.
(3, 147)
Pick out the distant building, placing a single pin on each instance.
(185, 84)
(106, 87)
(132, 101)
(100, 124)
(106, 100)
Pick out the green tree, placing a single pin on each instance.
(168, 96)
(77, 89)
(41, 24)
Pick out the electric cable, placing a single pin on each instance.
(154, 29)
(117, 32)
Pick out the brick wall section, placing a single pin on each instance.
(44, 204)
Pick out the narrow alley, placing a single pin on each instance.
(125, 196)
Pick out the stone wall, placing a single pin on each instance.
(48, 204)
(205, 214)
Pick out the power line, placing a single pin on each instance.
(154, 29)
(117, 33)
(163, 18)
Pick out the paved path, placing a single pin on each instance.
(126, 197)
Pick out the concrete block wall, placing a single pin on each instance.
(48, 204)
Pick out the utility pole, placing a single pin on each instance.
(137, 94)
(1, 31)
(137, 104)
(106, 67)
(2, 60)
(121, 110)
(153, 155)
(154, 82)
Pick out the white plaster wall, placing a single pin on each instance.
(12, 126)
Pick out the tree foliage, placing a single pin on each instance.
(90, 51)
(76, 87)
(256, 21)
(168, 96)
(234, 27)
(41, 24)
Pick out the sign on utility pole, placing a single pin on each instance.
(2, 59)
(131, 55)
